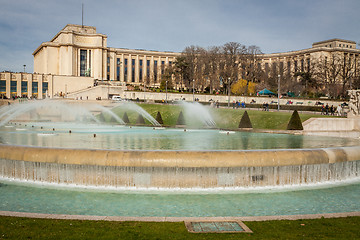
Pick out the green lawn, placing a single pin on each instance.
(28, 228)
(227, 118)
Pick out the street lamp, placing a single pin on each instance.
(279, 93)
(193, 90)
(229, 92)
(144, 89)
(166, 91)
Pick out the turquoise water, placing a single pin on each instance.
(56, 200)
(147, 138)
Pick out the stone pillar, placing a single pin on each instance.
(122, 68)
(8, 83)
(137, 71)
(18, 84)
(51, 86)
(30, 81)
(112, 65)
(40, 88)
(152, 80)
(144, 69)
(129, 69)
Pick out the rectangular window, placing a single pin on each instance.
(35, 87)
(141, 70)
(24, 86)
(89, 69)
(302, 65)
(155, 70)
(162, 67)
(125, 69)
(288, 67)
(83, 62)
(13, 87)
(295, 66)
(308, 64)
(118, 69)
(2, 86)
(45, 87)
(132, 70)
(148, 69)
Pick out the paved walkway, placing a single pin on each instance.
(177, 219)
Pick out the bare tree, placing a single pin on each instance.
(251, 68)
(230, 64)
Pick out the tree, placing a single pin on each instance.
(243, 85)
(229, 64)
(250, 64)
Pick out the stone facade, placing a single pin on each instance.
(80, 51)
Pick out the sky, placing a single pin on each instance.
(172, 25)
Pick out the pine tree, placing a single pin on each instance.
(295, 122)
(245, 121)
(125, 118)
(159, 118)
(181, 119)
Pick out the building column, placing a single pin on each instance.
(8, 84)
(112, 65)
(137, 71)
(122, 68)
(51, 85)
(40, 88)
(18, 84)
(152, 80)
(144, 69)
(129, 69)
(30, 81)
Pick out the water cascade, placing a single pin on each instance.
(195, 110)
(134, 107)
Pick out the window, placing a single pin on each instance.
(141, 70)
(13, 87)
(155, 70)
(45, 87)
(125, 69)
(2, 86)
(148, 68)
(118, 69)
(83, 62)
(35, 87)
(24, 85)
(288, 67)
(302, 65)
(133, 70)
(295, 66)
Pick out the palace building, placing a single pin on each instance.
(77, 62)
(80, 51)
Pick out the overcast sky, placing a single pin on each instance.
(172, 25)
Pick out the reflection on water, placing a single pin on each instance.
(147, 138)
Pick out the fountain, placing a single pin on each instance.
(152, 159)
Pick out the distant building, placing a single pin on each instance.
(80, 51)
(77, 62)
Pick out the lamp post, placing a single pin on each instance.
(193, 90)
(144, 89)
(229, 92)
(166, 91)
(279, 92)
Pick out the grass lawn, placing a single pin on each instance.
(227, 118)
(28, 228)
